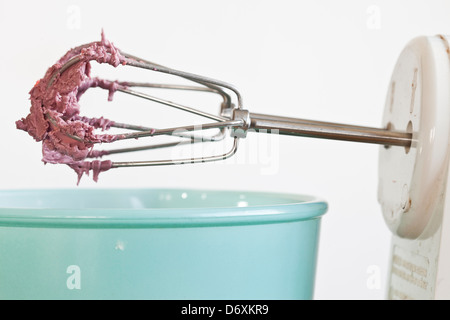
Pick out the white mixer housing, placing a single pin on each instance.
(413, 181)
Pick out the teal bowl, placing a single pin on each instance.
(157, 244)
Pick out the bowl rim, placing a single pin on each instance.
(301, 207)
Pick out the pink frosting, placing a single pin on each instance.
(54, 118)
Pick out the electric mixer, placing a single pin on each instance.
(413, 164)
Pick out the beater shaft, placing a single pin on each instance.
(329, 130)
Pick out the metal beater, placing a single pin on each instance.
(233, 118)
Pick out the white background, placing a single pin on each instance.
(322, 60)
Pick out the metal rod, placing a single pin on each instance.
(141, 63)
(261, 116)
(178, 161)
(150, 147)
(172, 104)
(328, 130)
(216, 137)
(167, 86)
(177, 130)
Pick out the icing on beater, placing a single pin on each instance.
(54, 116)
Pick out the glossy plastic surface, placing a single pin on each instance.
(157, 244)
